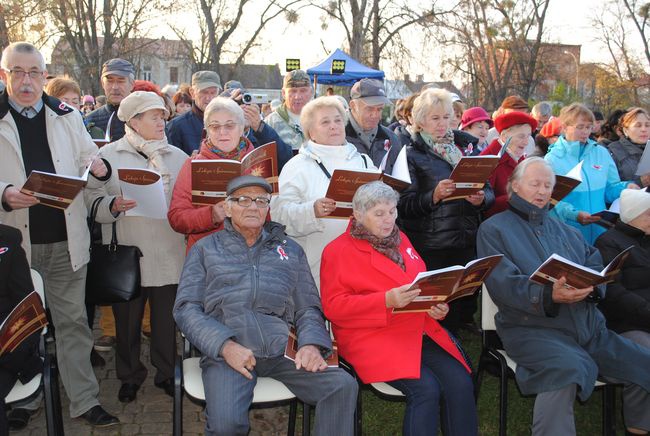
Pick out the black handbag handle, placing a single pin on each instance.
(93, 215)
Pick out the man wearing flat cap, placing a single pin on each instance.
(364, 129)
(240, 291)
(296, 93)
(117, 80)
(186, 131)
(39, 132)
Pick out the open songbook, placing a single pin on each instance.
(292, 348)
(565, 184)
(211, 177)
(472, 172)
(448, 284)
(26, 318)
(577, 276)
(55, 190)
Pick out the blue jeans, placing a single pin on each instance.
(444, 393)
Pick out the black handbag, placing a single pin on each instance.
(114, 270)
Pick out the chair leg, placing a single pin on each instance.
(358, 415)
(292, 417)
(178, 397)
(306, 419)
(52, 399)
(609, 410)
(503, 397)
(478, 377)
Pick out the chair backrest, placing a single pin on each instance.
(488, 310)
(38, 285)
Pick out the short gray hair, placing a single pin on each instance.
(223, 104)
(20, 47)
(426, 101)
(370, 194)
(308, 112)
(520, 170)
(543, 108)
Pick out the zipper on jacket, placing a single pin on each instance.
(255, 279)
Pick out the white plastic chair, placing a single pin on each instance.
(48, 377)
(268, 392)
(492, 350)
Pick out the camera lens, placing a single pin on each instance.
(247, 98)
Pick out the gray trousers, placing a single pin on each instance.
(65, 292)
(228, 395)
(553, 412)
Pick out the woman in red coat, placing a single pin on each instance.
(224, 124)
(516, 126)
(365, 273)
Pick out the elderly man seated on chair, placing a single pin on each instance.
(555, 334)
(240, 291)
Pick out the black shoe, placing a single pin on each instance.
(19, 418)
(98, 417)
(167, 386)
(96, 360)
(127, 392)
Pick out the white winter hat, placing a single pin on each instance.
(633, 203)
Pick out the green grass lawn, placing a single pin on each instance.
(382, 417)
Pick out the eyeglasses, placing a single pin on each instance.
(245, 201)
(20, 74)
(228, 127)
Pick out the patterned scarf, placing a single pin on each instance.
(154, 150)
(388, 246)
(236, 153)
(444, 147)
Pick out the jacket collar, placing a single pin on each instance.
(629, 230)
(527, 211)
(56, 105)
(271, 232)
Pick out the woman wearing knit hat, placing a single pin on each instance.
(145, 146)
(516, 127)
(627, 300)
(477, 122)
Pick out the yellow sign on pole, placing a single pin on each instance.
(292, 64)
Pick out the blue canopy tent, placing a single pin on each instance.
(354, 71)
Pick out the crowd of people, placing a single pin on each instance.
(235, 276)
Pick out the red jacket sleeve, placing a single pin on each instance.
(183, 216)
(343, 306)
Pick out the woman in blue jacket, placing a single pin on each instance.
(600, 185)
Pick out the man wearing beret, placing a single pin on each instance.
(364, 129)
(38, 132)
(117, 81)
(240, 291)
(186, 131)
(296, 93)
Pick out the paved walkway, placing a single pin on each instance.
(151, 412)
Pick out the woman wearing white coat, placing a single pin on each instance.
(301, 204)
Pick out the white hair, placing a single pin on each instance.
(308, 113)
(20, 47)
(426, 101)
(370, 194)
(521, 167)
(219, 104)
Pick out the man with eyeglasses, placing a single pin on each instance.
(296, 93)
(39, 132)
(240, 291)
(186, 131)
(117, 80)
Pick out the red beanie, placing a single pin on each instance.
(510, 119)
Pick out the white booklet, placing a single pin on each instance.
(146, 188)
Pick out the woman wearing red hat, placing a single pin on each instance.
(516, 126)
(477, 122)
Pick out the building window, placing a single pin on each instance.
(146, 74)
(173, 74)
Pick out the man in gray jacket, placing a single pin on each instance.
(240, 291)
(364, 129)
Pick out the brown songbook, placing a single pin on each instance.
(471, 174)
(54, 190)
(565, 184)
(101, 142)
(210, 177)
(449, 284)
(26, 318)
(577, 276)
(292, 348)
(344, 184)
